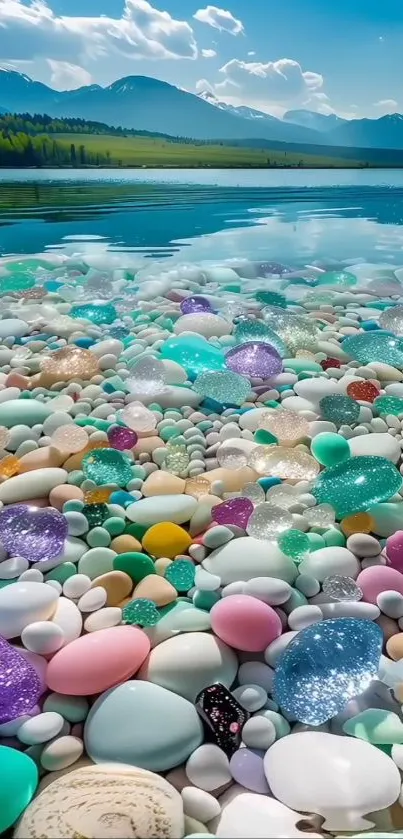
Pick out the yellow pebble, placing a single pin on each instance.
(166, 539)
(358, 523)
(97, 496)
(9, 466)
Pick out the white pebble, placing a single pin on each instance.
(103, 619)
(273, 652)
(33, 575)
(76, 586)
(199, 804)
(13, 567)
(391, 604)
(41, 728)
(258, 733)
(42, 637)
(256, 673)
(304, 616)
(61, 753)
(270, 590)
(251, 697)
(208, 767)
(74, 709)
(93, 600)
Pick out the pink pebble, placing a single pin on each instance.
(379, 578)
(98, 661)
(394, 550)
(245, 622)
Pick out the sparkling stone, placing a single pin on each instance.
(229, 457)
(235, 511)
(282, 496)
(181, 574)
(254, 359)
(100, 495)
(250, 331)
(271, 298)
(177, 458)
(147, 378)
(254, 492)
(325, 666)
(320, 516)
(69, 438)
(34, 533)
(20, 686)
(121, 438)
(288, 427)
(389, 405)
(375, 346)
(194, 354)
(343, 279)
(342, 410)
(357, 523)
(341, 588)
(297, 332)
(141, 611)
(285, 463)
(362, 391)
(267, 521)
(392, 319)
(223, 716)
(95, 514)
(138, 418)
(9, 466)
(195, 304)
(96, 314)
(197, 487)
(295, 544)
(107, 466)
(227, 388)
(69, 363)
(357, 484)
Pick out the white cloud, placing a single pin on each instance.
(65, 76)
(251, 53)
(34, 30)
(274, 86)
(208, 53)
(220, 19)
(386, 106)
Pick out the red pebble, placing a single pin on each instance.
(330, 362)
(363, 391)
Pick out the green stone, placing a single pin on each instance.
(19, 776)
(114, 525)
(342, 410)
(329, 449)
(96, 314)
(73, 506)
(137, 530)
(98, 537)
(95, 514)
(181, 574)
(225, 387)
(107, 466)
(136, 565)
(316, 541)
(301, 365)
(343, 279)
(356, 484)
(205, 599)
(264, 438)
(377, 726)
(271, 298)
(194, 354)
(295, 544)
(389, 405)
(296, 599)
(142, 612)
(62, 572)
(334, 538)
(168, 433)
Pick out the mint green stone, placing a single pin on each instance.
(19, 776)
(375, 346)
(136, 530)
(114, 525)
(271, 298)
(5, 583)
(334, 538)
(295, 600)
(142, 612)
(139, 472)
(194, 354)
(377, 726)
(73, 506)
(137, 565)
(227, 388)
(264, 438)
(98, 537)
(23, 412)
(357, 484)
(389, 405)
(96, 314)
(295, 544)
(205, 600)
(344, 279)
(169, 433)
(181, 574)
(107, 466)
(316, 541)
(329, 449)
(340, 409)
(62, 572)
(301, 365)
(248, 330)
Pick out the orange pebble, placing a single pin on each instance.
(97, 496)
(357, 523)
(18, 380)
(394, 646)
(9, 466)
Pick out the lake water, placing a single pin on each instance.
(285, 215)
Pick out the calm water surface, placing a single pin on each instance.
(290, 216)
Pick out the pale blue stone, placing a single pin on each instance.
(142, 724)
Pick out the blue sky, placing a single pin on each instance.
(344, 56)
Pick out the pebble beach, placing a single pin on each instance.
(201, 549)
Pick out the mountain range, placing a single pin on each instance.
(148, 104)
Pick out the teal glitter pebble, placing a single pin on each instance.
(107, 466)
(181, 574)
(295, 544)
(357, 484)
(227, 388)
(142, 612)
(375, 346)
(95, 514)
(389, 405)
(339, 409)
(96, 314)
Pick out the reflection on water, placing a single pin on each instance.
(202, 221)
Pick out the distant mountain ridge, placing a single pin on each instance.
(147, 104)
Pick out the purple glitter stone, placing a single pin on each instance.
(121, 437)
(20, 686)
(31, 532)
(235, 511)
(190, 305)
(254, 359)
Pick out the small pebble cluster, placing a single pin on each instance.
(201, 549)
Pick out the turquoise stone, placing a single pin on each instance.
(107, 466)
(97, 314)
(389, 405)
(181, 574)
(24, 412)
(375, 346)
(356, 484)
(337, 278)
(248, 330)
(142, 724)
(376, 725)
(271, 298)
(141, 612)
(295, 544)
(19, 776)
(227, 388)
(194, 354)
(340, 409)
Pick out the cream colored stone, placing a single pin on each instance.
(117, 585)
(162, 483)
(155, 588)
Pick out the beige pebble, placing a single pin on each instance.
(233, 479)
(148, 445)
(124, 602)
(162, 483)
(394, 646)
(155, 588)
(125, 544)
(43, 458)
(162, 564)
(65, 492)
(398, 692)
(103, 619)
(117, 585)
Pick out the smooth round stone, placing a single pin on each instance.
(62, 753)
(198, 804)
(177, 509)
(246, 766)
(21, 775)
(193, 353)
(31, 485)
(166, 539)
(42, 637)
(391, 604)
(69, 619)
(328, 774)
(167, 730)
(97, 661)
(256, 673)
(356, 484)
(258, 733)
(392, 319)
(92, 600)
(304, 616)
(74, 709)
(284, 463)
(261, 816)
(117, 585)
(205, 324)
(23, 412)
(14, 567)
(24, 603)
(162, 483)
(375, 725)
(245, 622)
(208, 767)
(188, 663)
(327, 561)
(95, 562)
(109, 801)
(41, 728)
(272, 591)
(377, 579)
(363, 545)
(247, 558)
(103, 619)
(339, 409)
(386, 519)
(351, 609)
(330, 449)
(383, 444)
(251, 697)
(13, 327)
(76, 586)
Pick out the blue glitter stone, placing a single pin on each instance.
(325, 666)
